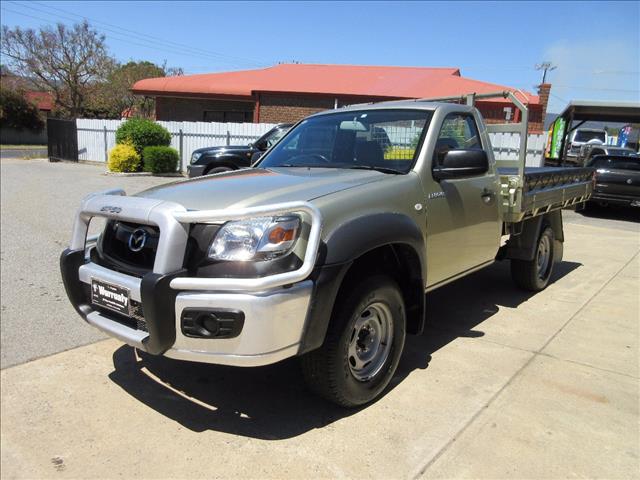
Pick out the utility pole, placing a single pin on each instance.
(546, 67)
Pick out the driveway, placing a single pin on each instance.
(38, 202)
(503, 384)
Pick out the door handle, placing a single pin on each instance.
(487, 195)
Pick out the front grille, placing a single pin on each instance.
(118, 246)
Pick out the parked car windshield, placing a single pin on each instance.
(272, 137)
(586, 135)
(608, 163)
(385, 140)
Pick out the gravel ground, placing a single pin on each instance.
(39, 200)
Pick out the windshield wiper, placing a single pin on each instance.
(377, 169)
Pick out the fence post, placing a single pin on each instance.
(228, 138)
(181, 154)
(104, 138)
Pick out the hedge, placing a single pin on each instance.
(123, 158)
(160, 159)
(142, 133)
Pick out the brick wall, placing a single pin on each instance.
(291, 108)
(192, 109)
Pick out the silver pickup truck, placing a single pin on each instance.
(325, 249)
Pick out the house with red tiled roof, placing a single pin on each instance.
(42, 100)
(289, 92)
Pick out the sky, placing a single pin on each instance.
(595, 46)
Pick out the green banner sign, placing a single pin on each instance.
(556, 137)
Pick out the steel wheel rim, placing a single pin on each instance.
(544, 256)
(370, 341)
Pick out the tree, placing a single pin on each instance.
(112, 98)
(68, 61)
(17, 112)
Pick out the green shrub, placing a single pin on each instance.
(142, 133)
(123, 158)
(160, 159)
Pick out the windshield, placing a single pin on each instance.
(607, 163)
(272, 137)
(385, 140)
(586, 135)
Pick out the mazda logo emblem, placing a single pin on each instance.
(137, 240)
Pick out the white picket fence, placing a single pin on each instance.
(97, 137)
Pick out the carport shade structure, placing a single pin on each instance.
(582, 111)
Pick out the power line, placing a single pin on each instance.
(154, 38)
(151, 43)
(575, 87)
(110, 36)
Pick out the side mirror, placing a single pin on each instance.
(262, 146)
(461, 163)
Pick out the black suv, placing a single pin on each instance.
(232, 157)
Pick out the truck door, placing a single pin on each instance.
(463, 224)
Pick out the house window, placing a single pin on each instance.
(226, 116)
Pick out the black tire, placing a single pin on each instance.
(534, 275)
(327, 370)
(218, 170)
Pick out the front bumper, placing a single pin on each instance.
(274, 321)
(195, 170)
(615, 199)
(273, 308)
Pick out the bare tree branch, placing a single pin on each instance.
(68, 61)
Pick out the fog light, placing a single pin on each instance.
(218, 323)
(210, 322)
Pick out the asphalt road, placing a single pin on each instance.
(38, 203)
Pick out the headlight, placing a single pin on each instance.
(195, 156)
(260, 238)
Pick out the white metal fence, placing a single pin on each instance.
(507, 145)
(97, 137)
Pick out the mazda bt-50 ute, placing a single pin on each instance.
(325, 249)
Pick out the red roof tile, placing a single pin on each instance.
(368, 81)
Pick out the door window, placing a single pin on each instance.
(458, 132)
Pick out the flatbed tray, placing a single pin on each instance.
(543, 189)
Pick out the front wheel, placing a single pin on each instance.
(218, 170)
(363, 345)
(534, 275)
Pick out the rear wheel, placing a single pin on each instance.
(534, 274)
(363, 344)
